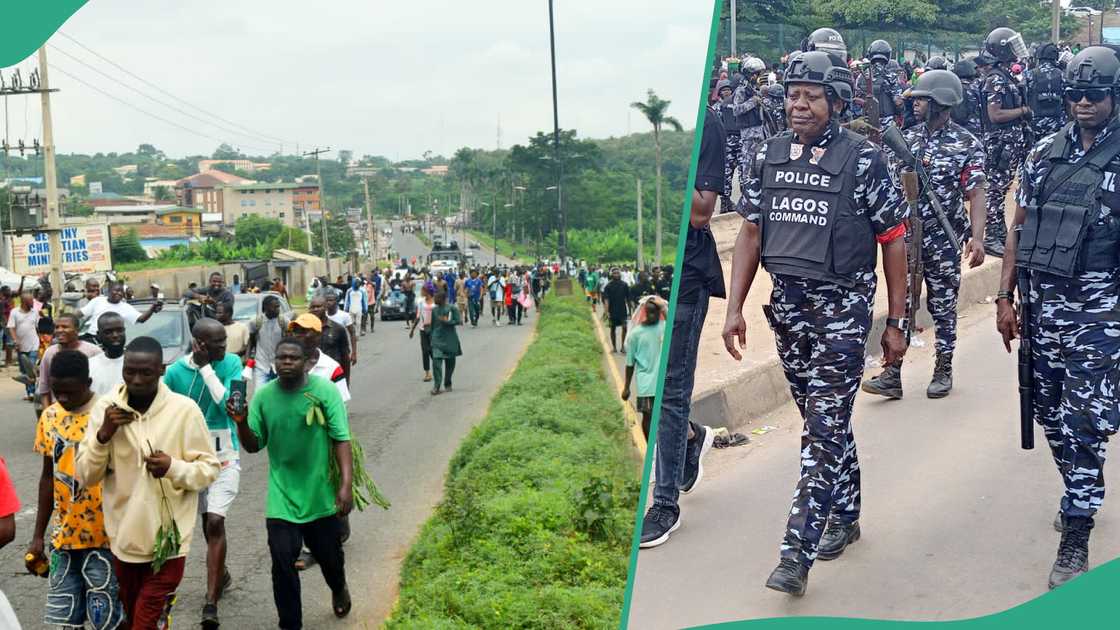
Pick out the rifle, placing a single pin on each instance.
(914, 251)
(1026, 367)
(893, 139)
(871, 105)
(768, 122)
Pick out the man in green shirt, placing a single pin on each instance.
(643, 353)
(205, 376)
(303, 504)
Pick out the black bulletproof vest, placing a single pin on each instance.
(962, 113)
(1062, 234)
(810, 225)
(1011, 100)
(879, 84)
(1044, 92)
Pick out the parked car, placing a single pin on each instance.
(392, 306)
(170, 327)
(246, 306)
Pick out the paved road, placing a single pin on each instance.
(408, 435)
(956, 518)
(407, 245)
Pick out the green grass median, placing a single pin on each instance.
(534, 528)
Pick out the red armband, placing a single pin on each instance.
(891, 234)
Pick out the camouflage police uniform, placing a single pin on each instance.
(1004, 146)
(732, 125)
(1042, 126)
(887, 86)
(821, 328)
(1076, 343)
(974, 125)
(776, 110)
(747, 104)
(954, 160)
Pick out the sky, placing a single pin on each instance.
(391, 78)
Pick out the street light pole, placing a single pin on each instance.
(563, 240)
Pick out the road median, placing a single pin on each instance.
(534, 527)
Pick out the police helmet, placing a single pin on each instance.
(816, 67)
(1064, 59)
(1047, 52)
(751, 65)
(723, 83)
(984, 59)
(827, 40)
(879, 50)
(940, 86)
(1005, 45)
(965, 69)
(1095, 66)
(937, 62)
(776, 91)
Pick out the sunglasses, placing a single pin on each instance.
(1095, 95)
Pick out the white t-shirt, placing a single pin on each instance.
(106, 373)
(27, 340)
(101, 304)
(342, 318)
(329, 369)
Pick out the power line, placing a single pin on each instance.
(147, 113)
(157, 101)
(166, 93)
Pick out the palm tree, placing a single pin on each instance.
(654, 110)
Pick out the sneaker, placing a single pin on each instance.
(790, 577)
(659, 522)
(836, 538)
(698, 447)
(1073, 550)
(210, 617)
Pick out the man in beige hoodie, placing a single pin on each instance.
(151, 449)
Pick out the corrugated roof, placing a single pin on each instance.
(265, 186)
(163, 211)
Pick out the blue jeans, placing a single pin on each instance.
(81, 589)
(33, 358)
(676, 400)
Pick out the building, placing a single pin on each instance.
(127, 169)
(151, 185)
(361, 171)
(247, 166)
(204, 190)
(112, 199)
(179, 221)
(439, 170)
(305, 198)
(78, 180)
(134, 213)
(273, 201)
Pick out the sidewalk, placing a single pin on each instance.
(734, 394)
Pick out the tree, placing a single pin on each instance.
(339, 235)
(226, 152)
(162, 193)
(291, 238)
(126, 248)
(252, 230)
(654, 110)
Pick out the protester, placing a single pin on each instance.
(616, 296)
(169, 442)
(83, 587)
(444, 342)
(114, 302)
(237, 333)
(22, 327)
(643, 356)
(346, 320)
(106, 369)
(66, 337)
(5, 313)
(496, 288)
(206, 376)
(214, 293)
(356, 308)
(336, 340)
(309, 330)
(9, 505)
(423, 319)
(303, 502)
(265, 331)
(474, 297)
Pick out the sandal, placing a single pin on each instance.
(340, 603)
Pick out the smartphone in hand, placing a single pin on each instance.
(238, 397)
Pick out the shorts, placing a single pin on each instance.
(644, 404)
(217, 498)
(617, 321)
(8, 341)
(81, 589)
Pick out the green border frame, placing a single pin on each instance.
(685, 212)
(30, 25)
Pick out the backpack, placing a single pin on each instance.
(1044, 93)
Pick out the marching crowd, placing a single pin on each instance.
(867, 159)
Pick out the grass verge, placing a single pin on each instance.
(505, 247)
(534, 528)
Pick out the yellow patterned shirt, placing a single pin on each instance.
(78, 520)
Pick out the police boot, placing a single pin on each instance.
(790, 576)
(1073, 551)
(836, 538)
(942, 380)
(888, 384)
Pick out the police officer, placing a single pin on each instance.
(1044, 93)
(954, 159)
(967, 112)
(1073, 291)
(747, 106)
(774, 105)
(816, 200)
(884, 84)
(732, 125)
(1003, 115)
(937, 62)
(829, 41)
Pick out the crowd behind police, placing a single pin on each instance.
(820, 192)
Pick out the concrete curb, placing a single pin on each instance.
(764, 388)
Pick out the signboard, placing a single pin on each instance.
(95, 188)
(85, 249)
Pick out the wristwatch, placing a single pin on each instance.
(900, 323)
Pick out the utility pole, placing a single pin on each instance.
(1055, 20)
(639, 223)
(322, 206)
(371, 233)
(51, 178)
(732, 30)
(563, 240)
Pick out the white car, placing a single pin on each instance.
(1082, 12)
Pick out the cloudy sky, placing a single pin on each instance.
(393, 78)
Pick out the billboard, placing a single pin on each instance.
(85, 249)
